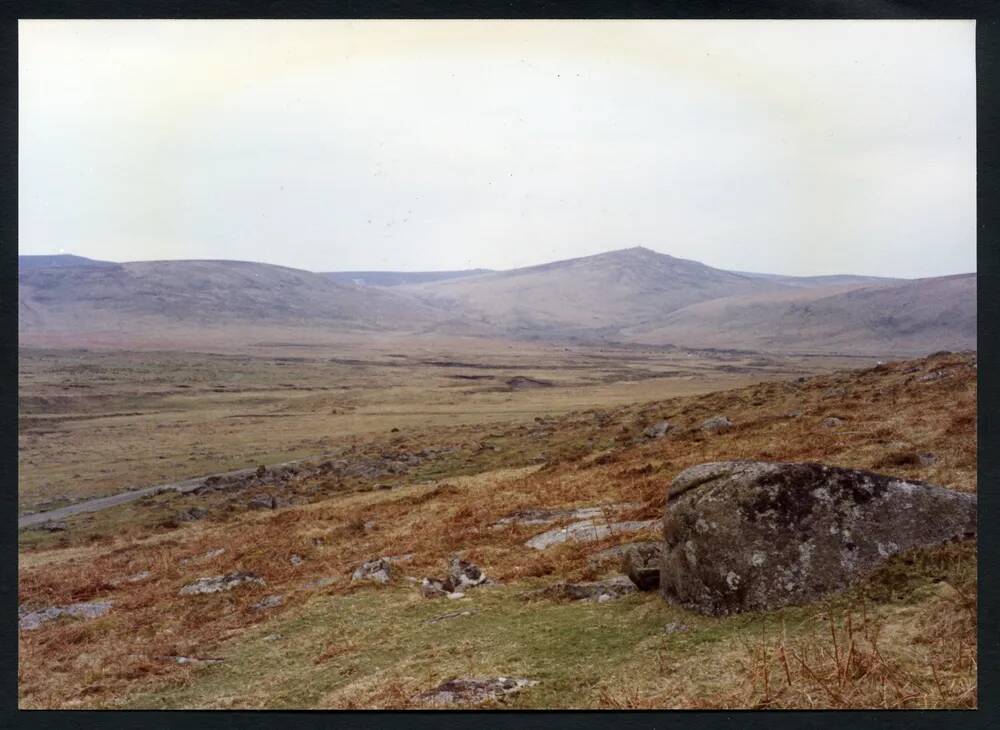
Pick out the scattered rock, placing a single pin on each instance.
(192, 515)
(269, 602)
(432, 588)
(586, 531)
(456, 595)
(539, 516)
(927, 459)
(375, 571)
(793, 414)
(53, 526)
(322, 582)
(933, 375)
(675, 627)
(657, 430)
(745, 535)
(598, 591)
(464, 574)
(217, 583)
(263, 501)
(204, 557)
(29, 621)
(197, 661)
(274, 637)
(641, 563)
(832, 422)
(717, 424)
(448, 616)
(474, 690)
(261, 471)
(519, 382)
(296, 559)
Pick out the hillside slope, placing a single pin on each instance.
(588, 296)
(398, 278)
(192, 294)
(913, 317)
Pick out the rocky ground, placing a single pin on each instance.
(493, 571)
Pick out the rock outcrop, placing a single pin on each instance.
(745, 535)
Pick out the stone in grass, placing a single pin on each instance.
(464, 574)
(378, 570)
(474, 690)
(641, 563)
(717, 424)
(269, 602)
(595, 591)
(29, 621)
(657, 430)
(217, 583)
(587, 531)
(756, 536)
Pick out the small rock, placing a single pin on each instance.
(927, 459)
(613, 588)
(184, 660)
(204, 557)
(376, 571)
(657, 430)
(675, 627)
(448, 616)
(29, 621)
(192, 515)
(456, 595)
(296, 559)
(432, 588)
(474, 690)
(641, 563)
(263, 501)
(464, 574)
(54, 527)
(322, 582)
(793, 414)
(216, 583)
(832, 422)
(269, 602)
(717, 424)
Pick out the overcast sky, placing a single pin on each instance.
(795, 147)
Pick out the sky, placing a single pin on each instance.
(791, 147)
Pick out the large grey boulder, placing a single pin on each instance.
(747, 535)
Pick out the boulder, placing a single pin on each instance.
(745, 535)
(375, 571)
(717, 424)
(641, 563)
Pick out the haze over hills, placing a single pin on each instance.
(398, 278)
(631, 295)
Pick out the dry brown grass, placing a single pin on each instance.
(98, 663)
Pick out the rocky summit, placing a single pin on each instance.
(750, 535)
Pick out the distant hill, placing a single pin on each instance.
(398, 278)
(909, 317)
(632, 296)
(135, 296)
(59, 260)
(593, 295)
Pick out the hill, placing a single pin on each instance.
(133, 297)
(912, 317)
(25, 263)
(590, 296)
(399, 278)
